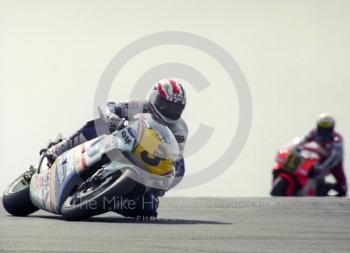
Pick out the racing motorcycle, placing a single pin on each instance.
(99, 175)
(293, 173)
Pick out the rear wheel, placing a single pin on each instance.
(16, 199)
(98, 197)
(279, 187)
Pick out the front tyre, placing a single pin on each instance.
(98, 198)
(279, 187)
(16, 199)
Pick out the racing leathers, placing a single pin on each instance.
(333, 161)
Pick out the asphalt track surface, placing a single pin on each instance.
(192, 225)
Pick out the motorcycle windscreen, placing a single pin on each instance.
(156, 148)
(153, 154)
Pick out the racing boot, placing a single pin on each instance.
(27, 176)
(64, 145)
(87, 132)
(143, 209)
(58, 149)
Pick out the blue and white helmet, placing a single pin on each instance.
(168, 99)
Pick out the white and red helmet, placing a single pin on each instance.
(167, 99)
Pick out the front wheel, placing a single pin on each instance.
(16, 199)
(98, 197)
(279, 187)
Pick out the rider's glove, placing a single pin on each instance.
(114, 121)
(111, 119)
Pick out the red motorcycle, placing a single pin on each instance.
(292, 174)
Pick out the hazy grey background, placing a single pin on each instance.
(294, 54)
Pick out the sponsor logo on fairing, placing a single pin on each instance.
(126, 137)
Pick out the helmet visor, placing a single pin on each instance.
(325, 131)
(171, 110)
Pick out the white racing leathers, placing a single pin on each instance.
(126, 110)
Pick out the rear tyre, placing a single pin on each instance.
(16, 199)
(279, 187)
(98, 199)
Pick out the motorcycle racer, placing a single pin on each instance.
(332, 142)
(165, 102)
